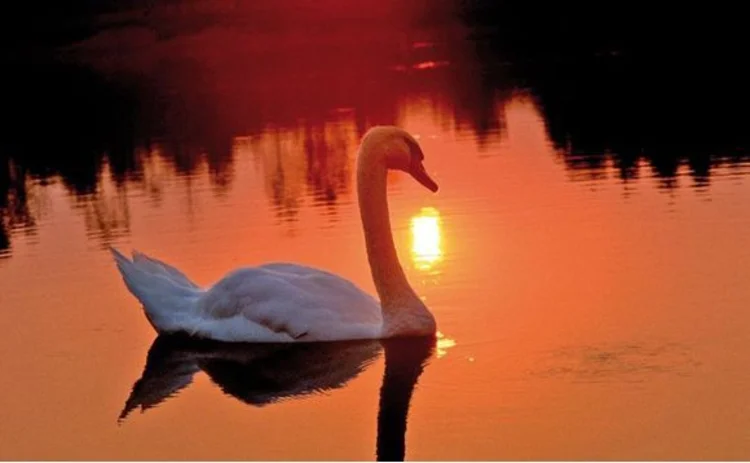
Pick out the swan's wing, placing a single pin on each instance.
(158, 267)
(293, 300)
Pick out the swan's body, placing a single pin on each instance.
(283, 302)
(277, 302)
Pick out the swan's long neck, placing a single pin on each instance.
(398, 299)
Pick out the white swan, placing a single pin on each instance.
(283, 302)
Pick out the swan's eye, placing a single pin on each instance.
(415, 151)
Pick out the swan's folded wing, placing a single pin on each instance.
(158, 267)
(262, 298)
(299, 303)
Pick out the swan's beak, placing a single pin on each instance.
(420, 175)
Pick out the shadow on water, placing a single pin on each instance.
(263, 374)
(116, 86)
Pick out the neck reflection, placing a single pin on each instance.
(405, 359)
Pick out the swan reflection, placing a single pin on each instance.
(261, 374)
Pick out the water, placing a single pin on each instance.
(586, 257)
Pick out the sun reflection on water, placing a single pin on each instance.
(443, 344)
(426, 239)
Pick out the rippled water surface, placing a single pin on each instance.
(587, 255)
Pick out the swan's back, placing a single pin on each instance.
(289, 302)
(294, 287)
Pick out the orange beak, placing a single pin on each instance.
(420, 174)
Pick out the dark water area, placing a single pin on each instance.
(586, 256)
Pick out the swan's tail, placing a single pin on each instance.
(167, 295)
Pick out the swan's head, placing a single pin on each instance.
(400, 151)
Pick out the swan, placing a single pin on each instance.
(285, 302)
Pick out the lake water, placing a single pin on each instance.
(587, 255)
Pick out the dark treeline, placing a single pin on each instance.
(628, 81)
(91, 83)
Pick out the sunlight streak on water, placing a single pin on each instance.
(443, 344)
(426, 239)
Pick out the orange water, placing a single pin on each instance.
(581, 315)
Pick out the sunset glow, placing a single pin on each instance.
(426, 239)
(584, 258)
